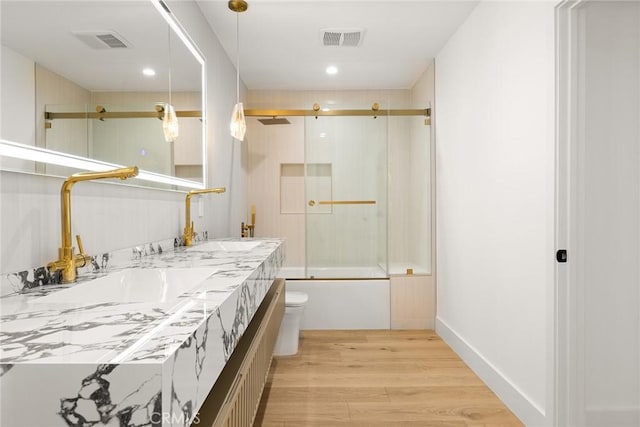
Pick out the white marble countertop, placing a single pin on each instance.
(129, 363)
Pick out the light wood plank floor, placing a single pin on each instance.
(377, 378)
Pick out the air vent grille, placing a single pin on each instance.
(350, 37)
(331, 39)
(111, 40)
(102, 39)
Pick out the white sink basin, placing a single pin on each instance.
(133, 285)
(225, 246)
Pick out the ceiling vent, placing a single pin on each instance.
(351, 37)
(102, 39)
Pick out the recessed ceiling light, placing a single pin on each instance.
(332, 69)
(149, 72)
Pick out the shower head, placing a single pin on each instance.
(275, 121)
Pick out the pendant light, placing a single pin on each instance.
(170, 126)
(238, 126)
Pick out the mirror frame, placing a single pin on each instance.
(29, 152)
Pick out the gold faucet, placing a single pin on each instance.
(67, 260)
(189, 232)
(247, 230)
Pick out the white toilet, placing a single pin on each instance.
(287, 342)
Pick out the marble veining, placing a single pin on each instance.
(94, 404)
(129, 364)
(27, 280)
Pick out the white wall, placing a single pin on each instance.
(112, 217)
(495, 199)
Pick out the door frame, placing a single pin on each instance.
(569, 298)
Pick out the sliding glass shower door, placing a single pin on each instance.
(346, 196)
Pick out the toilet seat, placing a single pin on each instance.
(295, 299)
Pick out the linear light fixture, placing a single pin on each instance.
(36, 154)
(168, 16)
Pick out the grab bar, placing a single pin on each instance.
(342, 202)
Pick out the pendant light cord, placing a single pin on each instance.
(169, 43)
(237, 57)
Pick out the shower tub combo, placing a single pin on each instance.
(351, 205)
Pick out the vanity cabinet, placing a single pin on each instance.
(234, 399)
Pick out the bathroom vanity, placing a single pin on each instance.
(144, 342)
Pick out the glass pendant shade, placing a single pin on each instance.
(170, 124)
(238, 125)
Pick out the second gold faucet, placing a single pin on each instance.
(189, 232)
(247, 230)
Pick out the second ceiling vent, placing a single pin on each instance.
(351, 37)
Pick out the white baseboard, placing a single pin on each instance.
(613, 417)
(515, 400)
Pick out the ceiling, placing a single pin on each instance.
(280, 42)
(49, 40)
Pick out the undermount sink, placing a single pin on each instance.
(133, 285)
(225, 246)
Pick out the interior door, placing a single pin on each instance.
(599, 220)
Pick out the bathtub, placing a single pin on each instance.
(335, 273)
(339, 302)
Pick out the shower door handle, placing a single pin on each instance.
(342, 202)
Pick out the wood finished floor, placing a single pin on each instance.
(377, 378)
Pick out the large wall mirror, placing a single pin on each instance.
(85, 85)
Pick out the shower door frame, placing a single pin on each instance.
(373, 112)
